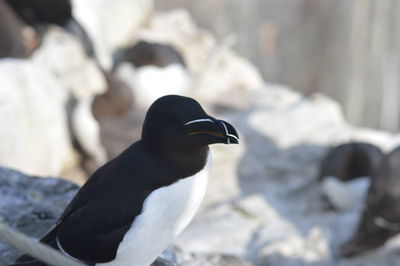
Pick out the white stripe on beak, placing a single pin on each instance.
(233, 136)
(226, 132)
(198, 121)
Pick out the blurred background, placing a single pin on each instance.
(311, 86)
(345, 49)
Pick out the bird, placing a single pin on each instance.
(346, 171)
(154, 70)
(135, 205)
(380, 218)
(40, 13)
(12, 39)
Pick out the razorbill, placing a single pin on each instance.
(380, 219)
(134, 206)
(12, 39)
(345, 173)
(145, 53)
(40, 13)
(154, 70)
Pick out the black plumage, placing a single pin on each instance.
(12, 42)
(40, 13)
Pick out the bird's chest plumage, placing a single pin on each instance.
(166, 212)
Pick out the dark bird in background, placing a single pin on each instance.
(145, 53)
(40, 13)
(348, 161)
(345, 173)
(133, 207)
(12, 43)
(380, 219)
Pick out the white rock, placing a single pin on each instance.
(220, 230)
(226, 78)
(225, 184)
(34, 135)
(87, 130)
(257, 207)
(63, 56)
(310, 248)
(177, 29)
(317, 120)
(112, 24)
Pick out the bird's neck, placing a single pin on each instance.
(185, 163)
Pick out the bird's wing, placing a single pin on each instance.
(95, 222)
(90, 237)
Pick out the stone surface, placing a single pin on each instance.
(31, 205)
(34, 135)
(64, 57)
(177, 29)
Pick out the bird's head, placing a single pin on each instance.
(179, 122)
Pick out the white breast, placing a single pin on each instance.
(345, 195)
(166, 212)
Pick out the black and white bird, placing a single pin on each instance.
(39, 13)
(346, 172)
(153, 70)
(134, 206)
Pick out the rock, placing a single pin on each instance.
(297, 248)
(211, 260)
(167, 258)
(87, 130)
(112, 24)
(306, 117)
(227, 77)
(64, 57)
(34, 134)
(116, 101)
(176, 28)
(220, 230)
(31, 205)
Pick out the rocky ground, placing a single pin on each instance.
(30, 204)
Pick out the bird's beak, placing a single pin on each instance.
(221, 131)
